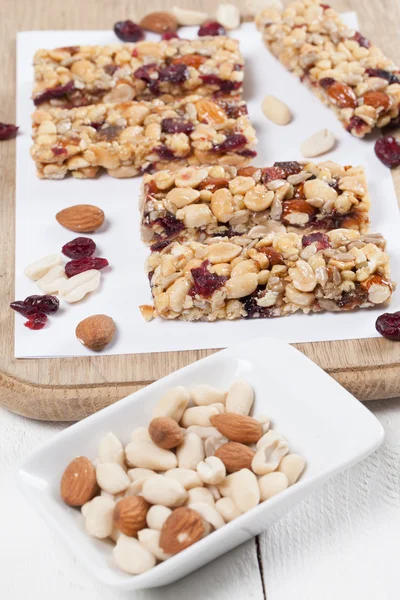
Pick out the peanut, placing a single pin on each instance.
(165, 491)
(276, 111)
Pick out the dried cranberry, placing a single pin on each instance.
(205, 282)
(46, 304)
(145, 72)
(160, 245)
(177, 73)
(357, 124)
(233, 142)
(362, 41)
(59, 150)
(111, 68)
(165, 153)
(169, 35)
(211, 28)
(38, 321)
(224, 85)
(321, 239)
(96, 125)
(352, 299)
(79, 265)
(390, 77)
(234, 110)
(274, 256)
(326, 82)
(20, 307)
(325, 6)
(253, 310)
(79, 247)
(280, 170)
(170, 225)
(172, 125)
(388, 325)
(7, 131)
(248, 153)
(56, 92)
(128, 31)
(387, 149)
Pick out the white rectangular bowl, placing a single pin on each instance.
(320, 419)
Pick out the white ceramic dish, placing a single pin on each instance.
(320, 419)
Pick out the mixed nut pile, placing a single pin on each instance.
(201, 462)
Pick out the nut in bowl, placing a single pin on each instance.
(185, 503)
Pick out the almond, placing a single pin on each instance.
(165, 432)
(96, 332)
(209, 112)
(81, 218)
(159, 22)
(78, 483)
(235, 456)
(238, 428)
(183, 528)
(130, 515)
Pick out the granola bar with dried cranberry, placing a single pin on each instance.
(202, 202)
(245, 278)
(342, 67)
(130, 138)
(82, 75)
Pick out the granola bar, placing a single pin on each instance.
(129, 138)
(342, 67)
(202, 202)
(244, 278)
(82, 75)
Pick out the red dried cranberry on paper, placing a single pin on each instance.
(211, 28)
(8, 131)
(128, 31)
(79, 265)
(80, 247)
(388, 325)
(38, 321)
(46, 304)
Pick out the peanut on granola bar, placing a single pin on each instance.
(82, 75)
(244, 278)
(129, 138)
(202, 202)
(339, 65)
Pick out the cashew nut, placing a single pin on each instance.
(245, 490)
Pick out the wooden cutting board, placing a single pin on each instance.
(68, 389)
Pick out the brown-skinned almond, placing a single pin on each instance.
(78, 483)
(81, 218)
(96, 332)
(130, 515)
(183, 528)
(165, 432)
(238, 428)
(235, 456)
(159, 22)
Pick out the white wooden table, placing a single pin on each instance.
(342, 543)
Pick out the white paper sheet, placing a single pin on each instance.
(124, 285)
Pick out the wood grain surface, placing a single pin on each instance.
(72, 388)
